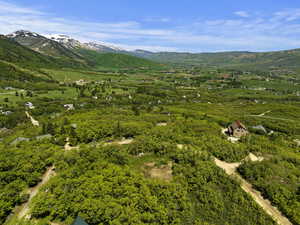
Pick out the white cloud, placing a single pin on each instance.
(288, 15)
(279, 30)
(11, 8)
(153, 48)
(158, 19)
(242, 14)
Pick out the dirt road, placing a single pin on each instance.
(230, 169)
(122, 142)
(24, 209)
(68, 146)
(33, 121)
(263, 115)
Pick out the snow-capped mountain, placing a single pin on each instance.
(66, 40)
(23, 33)
(69, 42)
(102, 46)
(60, 45)
(42, 44)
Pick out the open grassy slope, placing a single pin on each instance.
(116, 60)
(13, 52)
(10, 71)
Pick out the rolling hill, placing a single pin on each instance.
(289, 59)
(12, 72)
(73, 53)
(20, 63)
(117, 60)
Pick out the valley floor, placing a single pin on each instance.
(145, 147)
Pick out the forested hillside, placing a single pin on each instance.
(239, 60)
(117, 60)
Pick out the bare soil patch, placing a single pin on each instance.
(68, 146)
(163, 172)
(180, 146)
(253, 158)
(122, 142)
(162, 124)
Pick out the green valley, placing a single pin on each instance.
(118, 139)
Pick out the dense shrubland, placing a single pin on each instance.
(104, 186)
(21, 167)
(105, 183)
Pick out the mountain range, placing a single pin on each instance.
(65, 51)
(97, 54)
(23, 54)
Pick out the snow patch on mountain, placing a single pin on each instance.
(23, 33)
(72, 43)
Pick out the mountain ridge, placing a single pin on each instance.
(71, 48)
(68, 50)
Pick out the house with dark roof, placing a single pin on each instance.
(237, 129)
(79, 221)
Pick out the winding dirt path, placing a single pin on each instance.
(24, 209)
(263, 115)
(33, 121)
(230, 169)
(122, 142)
(68, 146)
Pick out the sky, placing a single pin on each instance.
(162, 25)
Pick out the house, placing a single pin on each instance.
(237, 129)
(9, 88)
(29, 105)
(79, 221)
(6, 113)
(69, 107)
(81, 82)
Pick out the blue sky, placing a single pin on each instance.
(165, 25)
